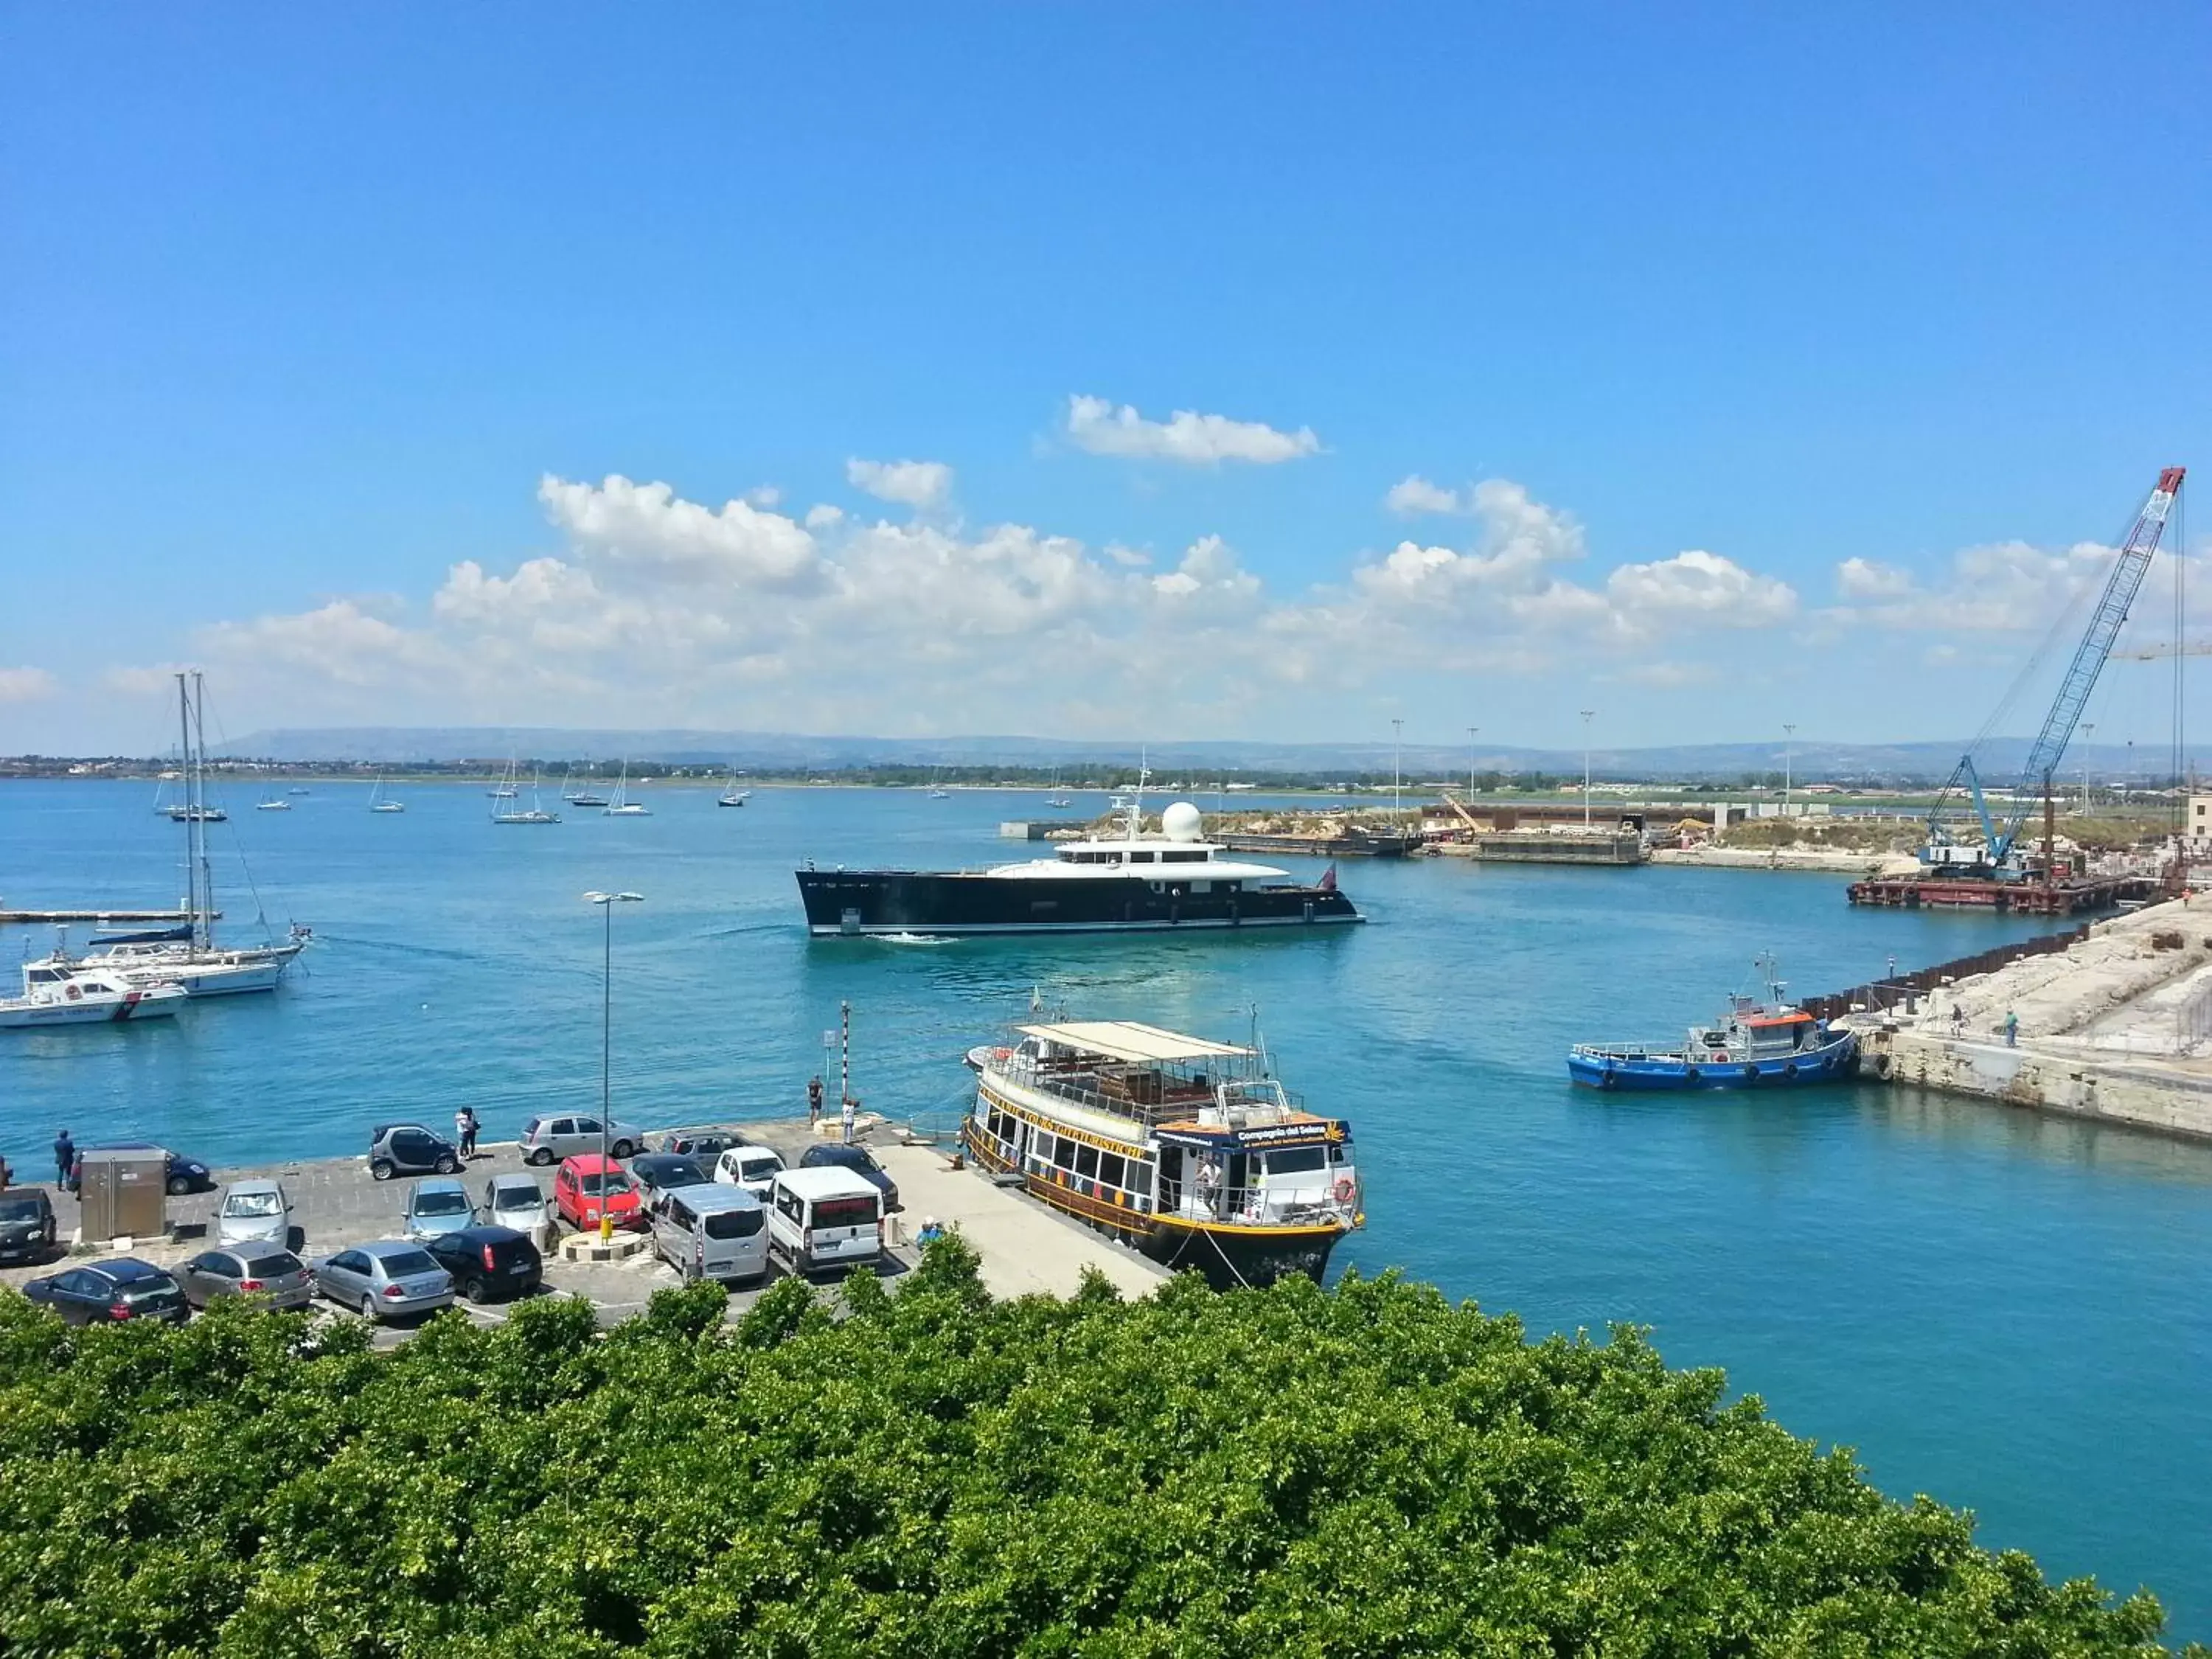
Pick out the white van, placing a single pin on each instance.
(824, 1218)
(710, 1232)
(753, 1168)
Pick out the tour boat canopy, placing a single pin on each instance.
(1128, 1041)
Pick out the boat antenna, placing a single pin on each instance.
(1137, 796)
(1764, 962)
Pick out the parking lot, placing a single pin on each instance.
(336, 1203)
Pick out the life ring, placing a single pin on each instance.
(74, 991)
(1344, 1190)
(1002, 1053)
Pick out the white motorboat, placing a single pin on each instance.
(274, 806)
(83, 996)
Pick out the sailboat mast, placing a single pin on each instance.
(204, 924)
(191, 811)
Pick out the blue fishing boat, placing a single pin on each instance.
(1755, 1045)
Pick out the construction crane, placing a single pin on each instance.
(1997, 856)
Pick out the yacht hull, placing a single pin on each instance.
(850, 903)
(97, 1010)
(1834, 1062)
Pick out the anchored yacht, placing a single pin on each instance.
(1129, 882)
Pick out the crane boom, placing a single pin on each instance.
(2089, 659)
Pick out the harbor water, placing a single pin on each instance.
(2006, 1312)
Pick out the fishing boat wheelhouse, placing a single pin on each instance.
(1189, 1150)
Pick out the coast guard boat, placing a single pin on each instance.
(1129, 882)
(1755, 1045)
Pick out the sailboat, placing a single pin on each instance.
(273, 804)
(536, 813)
(1058, 799)
(504, 789)
(198, 964)
(937, 789)
(623, 806)
(731, 795)
(378, 803)
(586, 796)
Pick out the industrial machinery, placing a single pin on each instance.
(1997, 856)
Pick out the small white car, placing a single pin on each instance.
(253, 1212)
(753, 1168)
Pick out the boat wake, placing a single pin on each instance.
(915, 939)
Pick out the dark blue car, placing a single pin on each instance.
(860, 1160)
(185, 1175)
(123, 1288)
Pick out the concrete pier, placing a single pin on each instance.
(2117, 1028)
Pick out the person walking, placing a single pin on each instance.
(2012, 1028)
(813, 1102)
(6, 1175)
(64, 1158)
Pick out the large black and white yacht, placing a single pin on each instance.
(1128, 883)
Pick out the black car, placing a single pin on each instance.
(705, 1144)
(120, 1289)
(27, 1225)
(397, 1149)
(488, 1264)
(657, 1171)
(860, 1160)
(185, 1175)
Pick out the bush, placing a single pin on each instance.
(1369, 1471)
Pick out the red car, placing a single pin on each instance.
(587, 1181)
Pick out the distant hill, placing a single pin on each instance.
(784, 751)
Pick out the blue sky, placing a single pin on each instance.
(341, 346)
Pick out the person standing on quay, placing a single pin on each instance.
(469, 1127)
(2012, 1030)
(64, 1158)
(813, 1102)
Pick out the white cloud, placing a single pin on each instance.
(824, 516)
(1699, 587)
(26, 685)
(1414, 494)
(650, 526)
(914, 483)
(763, 495)
(1195, 439)
(1209, 566)
(1869, 578)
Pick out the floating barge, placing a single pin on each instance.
(1543, 846)
(1353, 844)
(55, 918)
(2063, 898)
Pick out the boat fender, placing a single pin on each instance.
(1344, 1190)
(74, 991)
(1751, 1075)
(1882, 1064)
(1605, 1077)
(1690, 1074)
(1790, 1069)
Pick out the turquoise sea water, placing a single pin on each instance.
(2010, 1313)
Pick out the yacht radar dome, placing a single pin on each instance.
(1181, 822)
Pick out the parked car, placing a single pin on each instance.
(184, 1175)
(658, 1171)
(711, 1231)
(488, 1264)
(397, 1149)
(254, 1210)
(829, 1215)
(260, 1269)
(587, 1181)
(27, 1225)
(440, 1204)
(860, 1160)
(385, 1279)
(704, 1144)
(546, 1139)
(753, 1168)
(517, 1201)
(120, 1288)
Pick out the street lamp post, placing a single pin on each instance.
(606, 902)
(1789, 737)
(1471, 731)
(1587, 712)
(1397, 804)
(2088, 731)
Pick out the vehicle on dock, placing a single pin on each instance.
(1754, 1045)
(753, 1168)
(1132, 882)
(860, 1161)
(588, 1185)
(519, 1202)
(438, 1206)
(385, 1279)
(488, 1264)
(265, 1271)
(253, 1210)
(27, 1225)
(825, 1217)
(548, 1140)
(1189, 1150)
(661, 1172)
(715, 1232)
(397, 1149)
(106, 1292)
(180, 1174)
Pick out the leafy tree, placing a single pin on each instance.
(1366, 1470)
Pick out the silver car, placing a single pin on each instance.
(385, 1279)
(517, 1201)
(549, 1138)
(267, 1272)
(437, 1205)
(254, 1211)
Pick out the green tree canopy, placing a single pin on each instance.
(1366, 1470)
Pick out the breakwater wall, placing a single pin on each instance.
(1904, 992)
